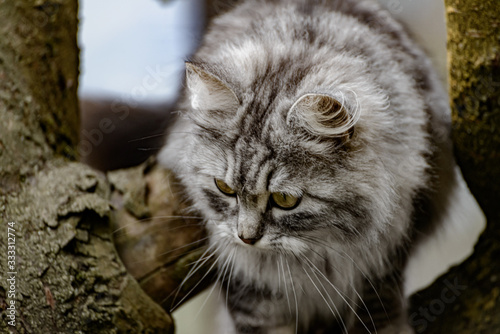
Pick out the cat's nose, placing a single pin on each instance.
(249, 241)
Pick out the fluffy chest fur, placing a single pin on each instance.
(309, 139)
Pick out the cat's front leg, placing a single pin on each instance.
(237, 323)
(384, 310)
(249, 310)
(258, 319)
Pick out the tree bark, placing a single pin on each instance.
(156, 237)
(466, 299)
(64, 275)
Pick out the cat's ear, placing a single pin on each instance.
(324, 115)
(208, 92)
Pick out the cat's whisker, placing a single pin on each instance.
(147, 149)
(155, 257)
(286, 285)
(371, 285)
(365, 307)
(184, 132)
(295, 297)
(199, 264)
(202, 258)
(229, 282)
(321, 293)
(199, 282)
(344, 255)
(170, 217)
(298, 116)
(184, 246)
(226, 266)
(174, 228)
(176, 249)
(279, 275)
(147, 137)
(353, 287)
(341, 296)
(218, 281)
(149, 219)
(333, 303)
(331, 266)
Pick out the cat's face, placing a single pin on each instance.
(271, 195)
(282, 176)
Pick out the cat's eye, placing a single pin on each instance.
(224, 188)
(285, 201)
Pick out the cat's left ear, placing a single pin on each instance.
(208, 92)
(324, 115)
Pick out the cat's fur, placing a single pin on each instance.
(370, 176)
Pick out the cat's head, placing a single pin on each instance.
(275, 165)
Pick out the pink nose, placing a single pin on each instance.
(249, 241)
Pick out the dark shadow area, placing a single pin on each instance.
(116, 135)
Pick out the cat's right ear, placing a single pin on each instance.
(208, 92)
(325, 115)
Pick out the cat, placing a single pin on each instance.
(314, 139)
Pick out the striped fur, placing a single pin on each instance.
(332, 102)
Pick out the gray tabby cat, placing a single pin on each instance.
(314, 139)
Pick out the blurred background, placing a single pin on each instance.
(132, 65)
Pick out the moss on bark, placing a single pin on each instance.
(474, 82)
(466, 299)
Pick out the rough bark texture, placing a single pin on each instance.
(466, 299)
(155, 236)
(66, 276)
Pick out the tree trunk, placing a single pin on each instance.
(155, 237)
(59, 270)
(466, 299)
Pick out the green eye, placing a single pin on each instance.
(224, 188)
(284, 201)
